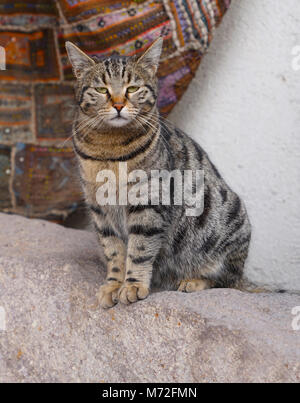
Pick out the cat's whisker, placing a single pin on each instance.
(65, 141)
(148, 122)
(162, 133)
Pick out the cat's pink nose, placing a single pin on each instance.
(119, 107)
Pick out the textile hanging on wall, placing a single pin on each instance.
(36, 88)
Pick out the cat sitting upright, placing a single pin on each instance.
(150, 244)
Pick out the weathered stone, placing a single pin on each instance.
(49, 276)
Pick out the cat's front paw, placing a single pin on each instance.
(131, 293)
(108, 294)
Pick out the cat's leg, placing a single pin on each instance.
(115, 252)
(145, 238)
(202, 280)
(225, 273)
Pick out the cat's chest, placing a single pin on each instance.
(91, 169)
(117, 217)
(102, 188)
(113, 178)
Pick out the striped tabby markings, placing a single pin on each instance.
(234, 210)
(147, 232)
(105, 231)
(179, 238)
(141, 259)
(140, 151)
(202, 219)
(224, 195)
(140, 208)
(210, 243)
(97, 210)
(131, 280)
(130, 140)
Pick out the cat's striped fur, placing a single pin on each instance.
(151, 245)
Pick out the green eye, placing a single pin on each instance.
(102, 90)
(131, 90)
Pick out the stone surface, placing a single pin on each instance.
(48, 279)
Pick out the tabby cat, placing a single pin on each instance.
(150, 245)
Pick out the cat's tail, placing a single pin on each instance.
(255, 288)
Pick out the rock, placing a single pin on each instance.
(49, 276)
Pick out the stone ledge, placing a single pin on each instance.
(48, 279)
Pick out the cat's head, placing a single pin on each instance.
(117, 90)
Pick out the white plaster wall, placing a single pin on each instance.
(244, 109)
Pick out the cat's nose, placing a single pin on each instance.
(119, 107)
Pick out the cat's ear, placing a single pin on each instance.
(79, 60)
(150, 59)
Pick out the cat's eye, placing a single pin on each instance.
(102, 90)
(132, 89)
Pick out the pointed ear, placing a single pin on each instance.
(79, 60)
(150, 59)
